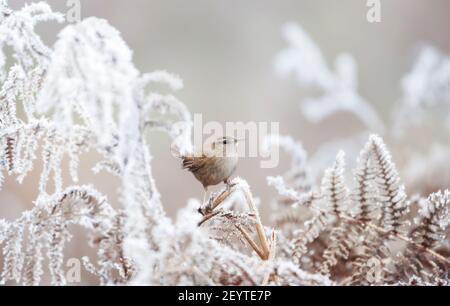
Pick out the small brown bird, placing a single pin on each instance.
(214, 165)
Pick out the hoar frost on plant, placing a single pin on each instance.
(339, 87)
(299, 171)
(98, 101)
(426, 86)
(85, 94)
(425, 96)
(17, 31)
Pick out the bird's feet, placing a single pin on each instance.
(206, 207)
(208, 204)
(229, 184)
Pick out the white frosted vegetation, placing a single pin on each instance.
(304, 59)
(425, 88)
(85, 94)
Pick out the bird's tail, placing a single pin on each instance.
(175, 151)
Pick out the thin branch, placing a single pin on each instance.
(259, 227)
(273, 246)
(264, 252)
(251, 242)
(208, 217)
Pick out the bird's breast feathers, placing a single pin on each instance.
(211, 170)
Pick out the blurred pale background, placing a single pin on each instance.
(224, 51)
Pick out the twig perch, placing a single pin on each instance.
(264, 249)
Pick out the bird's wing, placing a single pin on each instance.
(193, 164)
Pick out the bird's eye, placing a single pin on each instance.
(225, 142)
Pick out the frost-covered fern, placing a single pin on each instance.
(358, 239)
(84, 94)
(339, 87)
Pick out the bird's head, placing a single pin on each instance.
(225, 146)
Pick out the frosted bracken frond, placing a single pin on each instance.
(333, 186)
(293, 148)
(312, 230)
(178, 128)
(86, 95)
(364, 193)
(89, 74)
(304, 58)
(163, 77)
(17, 31)
(349, 238)
(91, 71)
(298, 177)
(391, 194)
(318, 109)
(425, 87)
(435, 212)
(339, 87)
(280, 185)
(3, 229)
(47, 228)
(354, 237)
(431, 233)
(343, 239)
